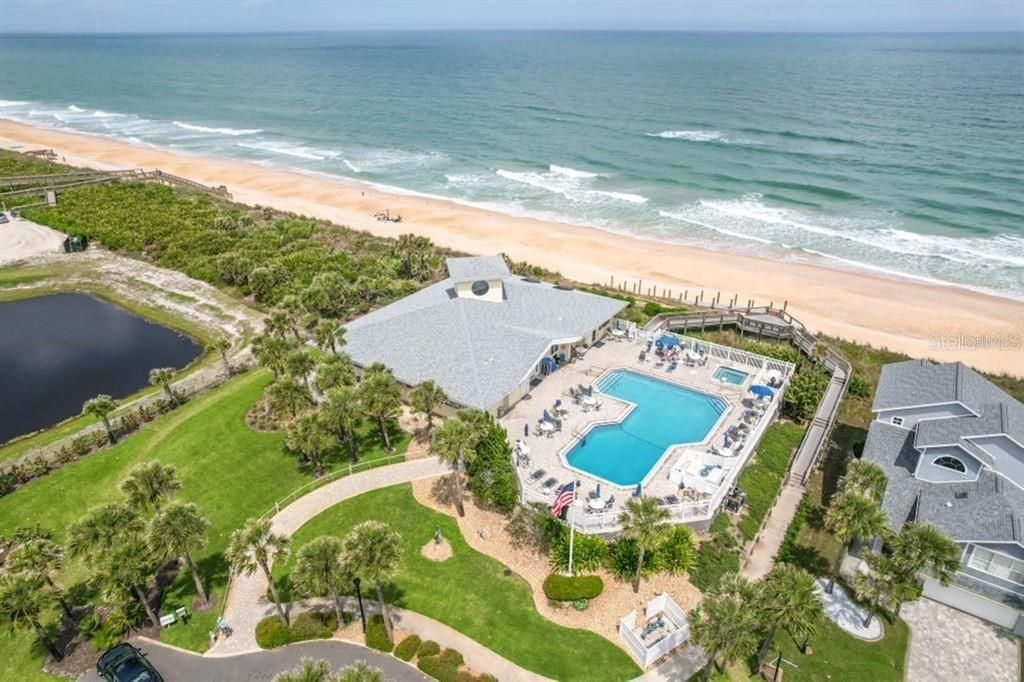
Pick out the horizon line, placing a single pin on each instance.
(29, 33)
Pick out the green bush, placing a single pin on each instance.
(429, 648)
(564, 588)
(492, 475)
(407, 648)
(859, 387)
(437, 668)
(581, 604)
(377, 635)
(762, 479)
(623, 555)
(272, 632)
(676, 554)
(451, 657)
(804, 392)
(589, 553)
(714, 559)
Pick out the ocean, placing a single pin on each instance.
(898, 154)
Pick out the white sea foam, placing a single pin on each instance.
(351, 166)
(296, 151)
(700, 136)
(77, 110)
(575, 188)
(12, 103)
(622, 196)
(571, 172)
(217, 131)
(99, 113)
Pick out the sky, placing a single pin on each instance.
(176, 16)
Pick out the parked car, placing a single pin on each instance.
(125, 663)
(3, 218)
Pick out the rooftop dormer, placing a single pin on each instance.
(479, 277)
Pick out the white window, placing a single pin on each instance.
(998, 565)
(896, 421)
(948, 462)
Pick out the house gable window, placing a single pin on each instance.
(998, 565)
(896, 421)
(950, 463)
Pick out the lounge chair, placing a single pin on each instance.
(671, 499)
(609, 502)
(537, 475)
(550, 483)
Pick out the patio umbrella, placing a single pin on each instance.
(668, 341)
(639, 490)
(526, 430)
(547, 417)
(558, 403)
(590, 390)
(762, 391)
(597, 493)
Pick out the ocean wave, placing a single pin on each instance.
(383, 160)
(77, 110)
(573, 187)
(699, 136)
(217, 131)
(296, 151)
(99, 113)
(12, 103)
(351, 166)
(622, 196)
(571, 172)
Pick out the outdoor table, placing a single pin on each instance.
(589, 401)
(546, 427)
(618, 333)
(596, 503)
(523, 448)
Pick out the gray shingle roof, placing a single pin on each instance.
(473, 268)
(991, 509)
(477, 351)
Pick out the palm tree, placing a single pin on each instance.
(726, 624)
(372, 551)
(455, 444)
(330, 335)
(253, 546)
(426, 398)
(101, 407)
(162, 377)
(920, 548)
(286, 396)
(128, 567)
(222, 345)
(381, 400)
(319, 671)
(277, 324)
(852, 516)
(319, 572)
(177, 532)
(360, 672)
(39, 557)
(413, 252)
(299, 364)
(308, 436)
(101, 528)
(864, 478)
(789, 599)
(334, 371)
(292, 307)
(149, 484)
(271, 352)
(23, 599)
(644, 522)
(341, 412)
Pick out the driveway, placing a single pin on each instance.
(180, 666)
(946, 644)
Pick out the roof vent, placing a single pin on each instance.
(949, 504)
(962, 495)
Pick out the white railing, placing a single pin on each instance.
(662, 605)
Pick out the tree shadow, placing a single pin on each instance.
(807, 558)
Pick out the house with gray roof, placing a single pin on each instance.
(482, 334)
(952, 446)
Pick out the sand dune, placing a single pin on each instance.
(920, 319)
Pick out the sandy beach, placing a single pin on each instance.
(921, 319)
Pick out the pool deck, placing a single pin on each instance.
(696, 503)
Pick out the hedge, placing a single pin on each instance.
(451, 657)
(440, 670)
(429, 648)
(762, 479)
(565, 588)
(377, 635)
(272, 632)
(407, 648)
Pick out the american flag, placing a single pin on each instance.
(564, 496)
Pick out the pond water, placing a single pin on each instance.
(58, 351)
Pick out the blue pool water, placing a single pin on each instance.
(665, 415)
(730, 376)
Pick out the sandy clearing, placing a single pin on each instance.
(22, 239)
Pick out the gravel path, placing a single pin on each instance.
(247, 602)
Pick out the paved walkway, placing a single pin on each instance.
(946, 644)
(762, 557)
(177, 665)
(247, 602)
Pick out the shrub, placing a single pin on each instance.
(804, 392)
(589, 553)
(676, 554)
(859, 387)
(81, 445)
(534, 527)
(466, 676)
(492, 476)
(565, 588)
(377, 635)
(714, 559)
(623, 555)
(407, 648)
(272, 632)
(451, 657)
(438, 669)
(105, 637)
(487, 677)
(429, 648)
(581, 604)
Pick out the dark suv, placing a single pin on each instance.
(125, 663)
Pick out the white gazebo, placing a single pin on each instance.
(664, 629)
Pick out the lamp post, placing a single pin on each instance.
(359, 596)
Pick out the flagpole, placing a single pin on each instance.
(572, 525)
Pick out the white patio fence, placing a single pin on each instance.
(666, 607)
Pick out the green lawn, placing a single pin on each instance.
(228, 470)
(469, 592)
(762, 478)
(839, 656)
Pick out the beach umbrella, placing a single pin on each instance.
(526, 430)
(762, 391)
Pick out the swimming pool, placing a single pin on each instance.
(727, 375)
(665, 414)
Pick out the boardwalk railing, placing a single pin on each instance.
(60, 182)
(771, 322)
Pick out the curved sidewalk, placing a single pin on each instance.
(246, 600)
